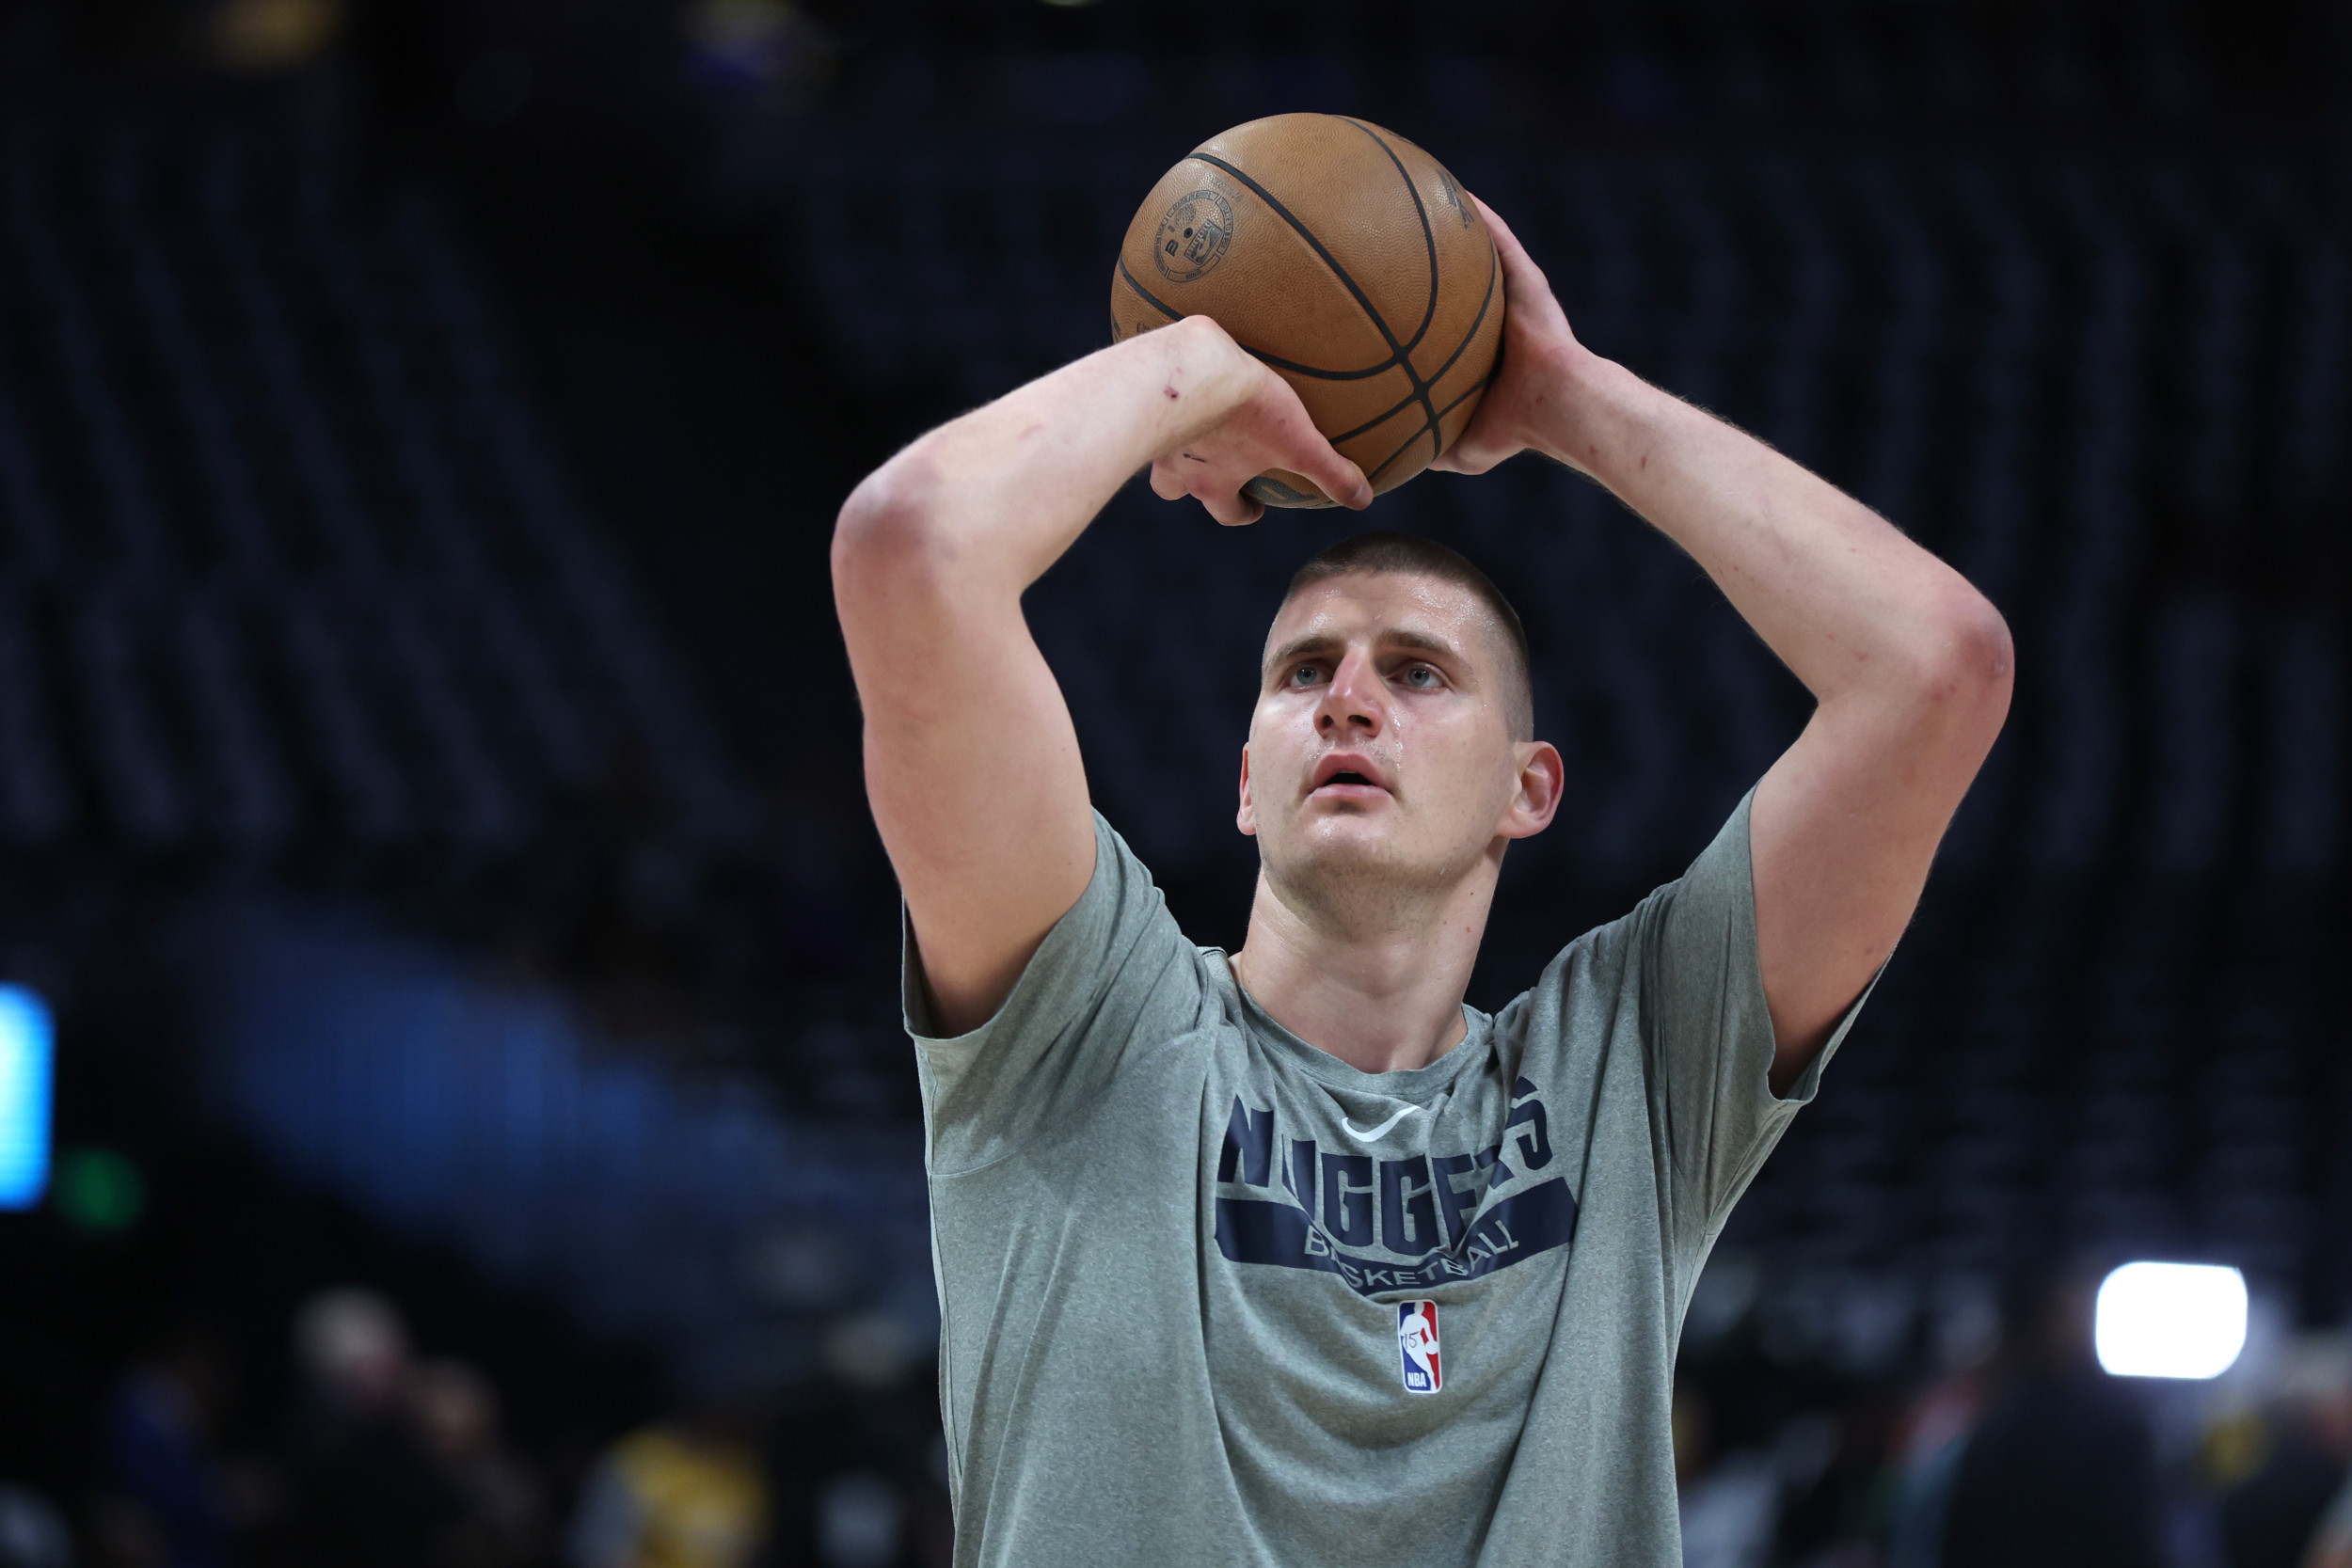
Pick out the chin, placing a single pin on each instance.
(1337, 857)
(1344, 842)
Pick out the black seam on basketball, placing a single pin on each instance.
(1385, 416)
(1432, 430)
(1395, 349)
(1374, 477)
(1265, 358)
(1494, 266)
(1264, 485)
(1397, 355)
(1422, 387)
(1484, 382)
(1429, 428)
(1162, 306)
(1400, 355)
(1313, 370)
(1429, 236)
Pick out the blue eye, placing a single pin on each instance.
(1304, 675)
(1421, 675)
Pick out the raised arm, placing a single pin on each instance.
(971, 763)
(1909, 665)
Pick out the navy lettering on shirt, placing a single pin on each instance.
(1392, 1224)
(1347, 1197)
(1249, 1143)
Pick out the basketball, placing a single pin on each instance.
(1349, 262)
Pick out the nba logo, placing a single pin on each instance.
(1417, 1345)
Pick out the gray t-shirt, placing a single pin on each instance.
(1210, 1295)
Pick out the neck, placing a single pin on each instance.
(1382, 995)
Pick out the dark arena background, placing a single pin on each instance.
(430, 817)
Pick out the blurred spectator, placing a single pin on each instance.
(1832, 1472)
(685, 1494)
(2269, 1519)
(171, 1499)
(1933, 1436)
(2061, 1471)
(860, 1519)
(1730, 1505)
(367, 1495)
(31, 1533)
(495, 1518)
(2331, 1543)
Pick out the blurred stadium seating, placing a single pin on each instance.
(343, 681)
(290, 562)
(288, 557)
(2110, 388)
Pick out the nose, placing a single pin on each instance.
(1351, 705)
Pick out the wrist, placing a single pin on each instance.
(1577, 424)
(1211, 375)
(1184, 380)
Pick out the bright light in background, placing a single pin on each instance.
(2172, 1320)
(24, 1077)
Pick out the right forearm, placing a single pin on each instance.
(1003, 491)
(971, 760)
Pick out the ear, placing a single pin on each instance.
(1543, 778)
(1245, 818)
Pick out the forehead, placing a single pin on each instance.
(1364, 605)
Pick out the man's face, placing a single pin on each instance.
(1381, 750)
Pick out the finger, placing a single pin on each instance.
(1303, 449)
(1234, 508)
(1460, 459)
(1503, 237)
(1517, 266)
(1336, 478)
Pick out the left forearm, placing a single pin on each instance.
(1848, 602)
(1909, 665)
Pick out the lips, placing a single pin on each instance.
(1345, 774)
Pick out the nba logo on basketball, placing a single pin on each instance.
(1417, 1344)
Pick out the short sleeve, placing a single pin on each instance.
(1114, 974)
(1708, 1037)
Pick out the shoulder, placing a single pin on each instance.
(1596, 966)
(1113, 981)
(1118, 931)
(1606, 977)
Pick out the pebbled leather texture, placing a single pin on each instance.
(1345, 257)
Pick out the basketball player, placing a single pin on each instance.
(1287, 1256)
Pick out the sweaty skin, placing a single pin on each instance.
(1374, 891)
(1910, 667)
(1371, 898)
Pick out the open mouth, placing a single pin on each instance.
(1336, 779)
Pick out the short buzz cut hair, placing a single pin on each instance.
(1386, 550)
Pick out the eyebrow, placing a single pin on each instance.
(1324, 643)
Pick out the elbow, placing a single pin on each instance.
(1971, 662)
(889, 530)
(1983, 655)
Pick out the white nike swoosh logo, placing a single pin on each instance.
(1375, 1133)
